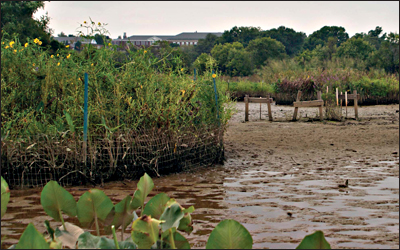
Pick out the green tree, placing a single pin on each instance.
(240, 34)
(99, 39)
(292, 40)
(304, 57)
(239, 63)
(356, 48)
(320, 37)
(220, 53)
(203, 62)
(387, 57)
(262, 49)
(62, 34)
(206, 45)
(17, 20)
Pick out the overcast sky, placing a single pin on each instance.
(172, 18)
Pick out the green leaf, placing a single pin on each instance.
(93, 203)
(314, 241)
(88, 241)
(32, 239)
(180, 241)
(229, 234)
(55, 199)
(144, 187)
(172, 215)
(156, 205)
(122, 214)
(5, 196)
(69, 121)
(185, 224)
(145, 231)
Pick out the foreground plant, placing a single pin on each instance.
(158, 226)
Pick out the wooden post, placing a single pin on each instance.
(320, 107)
(341, 105)
(337, 97)
(296, 108)
(345, 97)
(246, 108)
(260, 109)
(355, 103)
(269, 107)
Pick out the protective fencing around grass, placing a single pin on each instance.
(33, 162)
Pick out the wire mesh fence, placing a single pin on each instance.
(32, 162)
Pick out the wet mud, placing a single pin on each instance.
(280, 180)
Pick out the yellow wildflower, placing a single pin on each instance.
(92, 64)
(58, 64)
(33, 64)
(15, 51)
(109, 44)
(145, 51)
(214, 75)
(2, 43)
(36, 40)
(141, 86)
(183, 92)
(26, 45)
(69, 55)
(181, 69)
(58, 54)
(40, 42)
(11, 43)
(99, 23)
(84, 22)
(7, 47)
(51, 56)
(67, 46)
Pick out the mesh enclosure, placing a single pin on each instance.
(32, 162)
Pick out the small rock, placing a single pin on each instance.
(254, 156)
(395, 153)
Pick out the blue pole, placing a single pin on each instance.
(85, 109)
(216, 99)
(194, 74)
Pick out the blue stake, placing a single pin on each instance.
(85, 109)
(216, 99)
(194, 74)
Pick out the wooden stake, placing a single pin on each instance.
(269, 107)
(345, 97)
(246, 108)
(319, 96)
(260, 109)
(341, 105)
(337, 97)
(355, 104)
(296, 108)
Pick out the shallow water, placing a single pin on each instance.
(259, 199)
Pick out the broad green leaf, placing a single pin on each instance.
(88, 241)
(185, 224)
(69, 237)
(145, 231)
(172, 215)
(32, 239)
(156, 205)
(179, 240)
(5, 196)
(229, 234)
(69, 121)
(123, 214)
(314, 241)
(93, 203)
(144, 187)
(55, 199)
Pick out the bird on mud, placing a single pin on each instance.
(345, 185)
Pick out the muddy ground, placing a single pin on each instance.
(280, 180)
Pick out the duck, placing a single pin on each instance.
(345, 185)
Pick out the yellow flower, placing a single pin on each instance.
(183, 92)
(58, 54)
(99, 23)
(58, 64)
(80, 79)
(26, 45)
(214, 75)
(2, 43)
(11, 43)
(145, 51)
(40, 42)
(7, 47)
(181, 69)
(67, 46)
(51, 56)
(33, 64)
(84, 22)
(21, 49)
(36, 40)
(141, 86)
(109, 44)
(15, 51)
(69, 55)
(92, 64)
